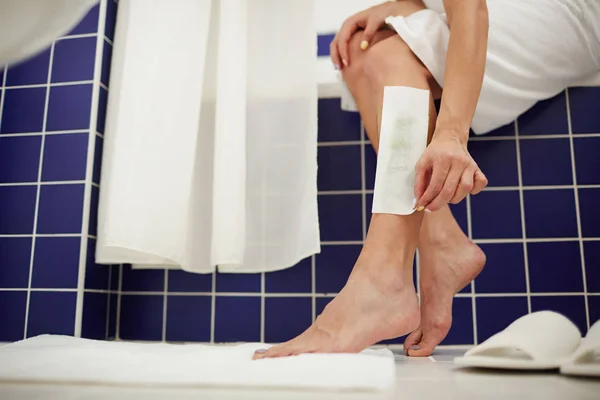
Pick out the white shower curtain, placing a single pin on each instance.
(210, 144)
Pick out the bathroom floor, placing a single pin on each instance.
(435, 377)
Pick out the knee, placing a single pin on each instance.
(382, 60)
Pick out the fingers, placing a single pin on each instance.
(438, 177)
(369, 32)
(480, 182)
(334, 53)
(422, 175)
(343, 38)
(465, 186)
(449, 189)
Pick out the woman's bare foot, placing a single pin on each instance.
(448, 264)
(378, 302)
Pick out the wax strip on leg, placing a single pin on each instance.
(402, 141)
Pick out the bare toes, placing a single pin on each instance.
(413, 339)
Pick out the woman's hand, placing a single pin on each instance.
(446, 173)
(369, 20)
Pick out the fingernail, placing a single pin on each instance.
(415, 347)
(261, 351)
(427, 210)
(364, 44)
(420, 208)
(345, 62)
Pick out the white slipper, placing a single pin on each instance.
(586, 360)
(542, 340)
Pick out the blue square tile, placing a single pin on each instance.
(33, 71)
(547, 117)
(13, 317)
(504, 270)
(97, 159)
(15, 255)
(333, 266)
(550, 213)
(506, 130)
(587, 162)
(115, 276)
(339, 168)
(142, 280)
(23, 110)
(594, 306)
(74, 60)
(498, 161)
(583, 102)
(112, 317)
(494, 314)
(69, 107)
(244, 327)
(56, 262)
(286, 317)
(181, 281)
(238, 283)
(546, 162)
(459, 212)
(188, 318)
(589, 199)
(321, 303)
(591, 254)
(141, 317)
(370, 167)
(323, 42)
(93, 322)
(60, 209)
(106, 59)
(65, 157)
(111, 19)
(102, 103)
(93, 221)
(18, 208)
(496, 215)
(461, 332)
(340, 217)
(51, 313)
(96, 275)
(1, 76)
(572, 307)
(555, 267)
(297, 279)
(335, 124)
(19, 158)
(88, 24)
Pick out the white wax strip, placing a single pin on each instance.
(402, 141)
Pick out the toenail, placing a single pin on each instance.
(415, 347)
(261, 351)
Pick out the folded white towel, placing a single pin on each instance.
(63, 359)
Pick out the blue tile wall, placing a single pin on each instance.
(537, 221)
(49, 107)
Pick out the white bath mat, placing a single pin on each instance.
(586, 360)
(64, 359)
(542, 340)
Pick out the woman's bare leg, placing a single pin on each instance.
(379, 300)
(448, 259)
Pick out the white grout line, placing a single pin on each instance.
(473, 302)
(48, 85)
(44, 133)
(577, 209)
(2, 92)
(87, 195)
(213, 306)
(522, 209)
(164, 310)
(119, 295)
(39, 189)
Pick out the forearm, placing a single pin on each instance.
(465, 65)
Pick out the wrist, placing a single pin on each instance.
(449, 129)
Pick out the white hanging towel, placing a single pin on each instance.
(210, 145)
(29, 26)
(68, 360)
